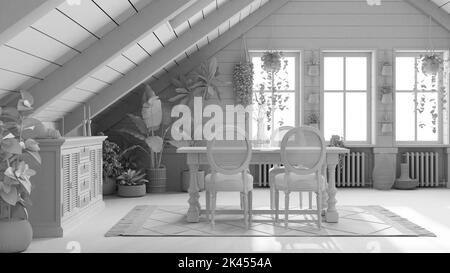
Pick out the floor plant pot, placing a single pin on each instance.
(109, 185)
(131, 191)
(157, 180)
(15, 233)
(186, 177)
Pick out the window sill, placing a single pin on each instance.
(422, 145)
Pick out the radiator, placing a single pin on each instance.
(260, 174)
(351, 170)
(424, 167)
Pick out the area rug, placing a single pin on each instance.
(354, 221)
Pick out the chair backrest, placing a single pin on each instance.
(278, 134)
(230, 156)
(303, 150)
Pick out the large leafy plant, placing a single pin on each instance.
(112, 166)
(132, 178)
(149, 128)
(17, 150)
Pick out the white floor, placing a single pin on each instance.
(429, 208)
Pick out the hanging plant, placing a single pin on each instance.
(243, 82)
(431, 64)
(271, 61)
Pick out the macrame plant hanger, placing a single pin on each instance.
(245, 55)
(430, 49)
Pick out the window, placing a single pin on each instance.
(286, 80)
(346, 95)
(419, 106)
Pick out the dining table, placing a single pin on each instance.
(196, 156)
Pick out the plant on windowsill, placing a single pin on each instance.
(112, 167)
(313, 120)
(18, 149)
(337, 141)
(132, 183)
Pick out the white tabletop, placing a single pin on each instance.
(202, 149)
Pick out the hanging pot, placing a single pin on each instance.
(431, 65)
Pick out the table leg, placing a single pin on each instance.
(193, 213)
(331, 215)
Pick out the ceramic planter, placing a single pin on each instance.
(430, 67)
(404, 182)
(15, 235)
(157, 180)
(185, 182)
(109, 185)
(131, 191)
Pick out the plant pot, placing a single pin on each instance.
(404, 182)
(109, 185)
(157, 180)
(386, 98)
(430, 67)
(131, 191)
(185, 180)
(314, 125)
(15, 235)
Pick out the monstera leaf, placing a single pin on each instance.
(155, 143)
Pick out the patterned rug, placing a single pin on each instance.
(354, 221)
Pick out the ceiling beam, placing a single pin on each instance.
(151, 65)
(431, 9)
(189, 12)
(189, 64)
(101, 52)
(17, 15)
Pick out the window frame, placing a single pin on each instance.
(440, 128)
(297, 54)
(369, 54)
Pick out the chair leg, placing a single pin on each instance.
(250, 206)
(277, 204)
(242, 200)
(208, 205)
(310, 199)
(272, 198)
(319, 209)
(300, 197)
(286, 208)
(246, 205)
(213, 208)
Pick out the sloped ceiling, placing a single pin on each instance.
(74, 26)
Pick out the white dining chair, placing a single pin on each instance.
(229, 161)
(275, 141)
(302, 154)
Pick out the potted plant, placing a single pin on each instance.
(243, 78)
(431, 63)
(313, 120)
(148, 126)
(132, 184)
(112, 167)
(18, 149)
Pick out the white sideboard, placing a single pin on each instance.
(68, 185)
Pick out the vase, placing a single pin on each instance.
(404, 182)
(384, 170)
(15, 233)
(157, 180)
(131, 191)
(186, 178)
(109, 185)
(386, 98)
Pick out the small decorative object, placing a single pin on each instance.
(132, 184)
(386, 95)
(313, 120)
(431, 63)
(404, 182)
(386, 128)
(313, 98)
(17, 149)
(386, 70)
(313, 70)
(112, 167)
(271, 61)
(337, 141)
(148, 126)
(186, 178)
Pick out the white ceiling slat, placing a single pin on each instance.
(143, 72)
(189, 12)
(102, 52)
(140, 4)
(107, 74)
(223, 27)
(58, 26)
(17, 61)
(92, 84)
(13, 81)
(77, 95)
(89, 16)
(209, 9)
(191, 50)
(119, 10)
(196, 18)
(151, 44)
(194, 61)
(33, 42)
(136, 54)
(121, 64)
(20, 15)
(63, 106)
(182, 28)
(165, 33)
(234, 20)
(202, 42)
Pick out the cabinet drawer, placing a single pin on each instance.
(85, 199)
(84, 169)
(84, 154)
(84, 184)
